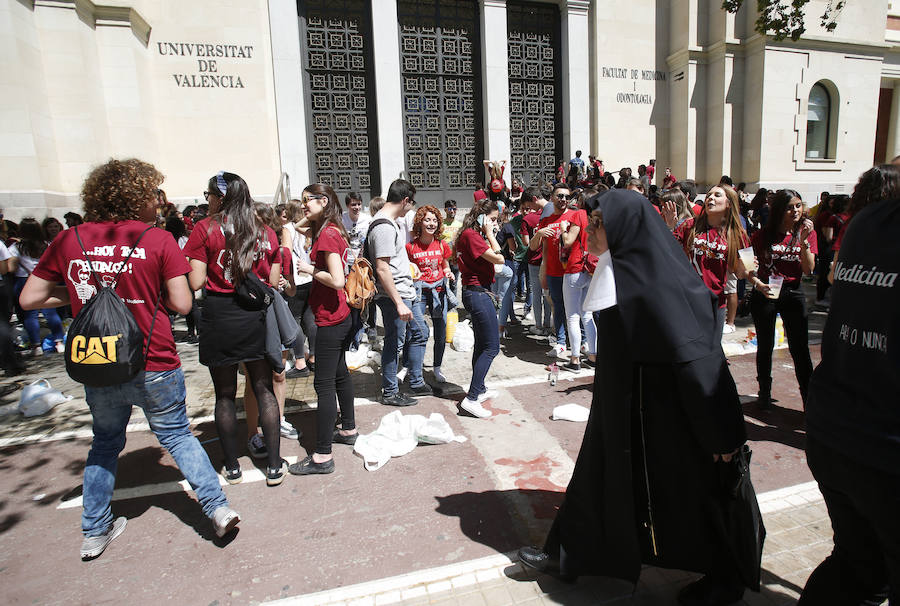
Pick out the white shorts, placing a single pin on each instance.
(731, 284)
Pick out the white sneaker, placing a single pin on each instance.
(438, 375)
(488, 395)
(728, 329)
(224, 519)
(473, 407)
(401, 374)
(557, 351)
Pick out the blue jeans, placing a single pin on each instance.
(506, 302)
(32, 322)
(435, 305)
(539, 298)
(161, 395)
(394, 328)
(487, 337)
(523, 282)
(502, 285)
(416, 339)
(559, 309)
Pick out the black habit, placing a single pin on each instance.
(663, 403)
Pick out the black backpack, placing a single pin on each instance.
(105, 345)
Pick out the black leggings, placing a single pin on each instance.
(333, 377)
(302, 312)
(259, 375)
(792, 307)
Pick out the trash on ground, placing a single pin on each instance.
(398, 434)
(39, 398)
(571, 412)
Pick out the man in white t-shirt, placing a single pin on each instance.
(355, 222)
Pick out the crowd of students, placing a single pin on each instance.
(528, 243)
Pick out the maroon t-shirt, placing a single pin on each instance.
(782, 258)
(156, 259)
(207, 244)
(329, 305)
(473, 269)
(530, 223)
(708, 255)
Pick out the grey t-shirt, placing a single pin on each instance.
(386, 240)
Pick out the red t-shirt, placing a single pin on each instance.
(207, 244)
(530, 223)
(697, 208)
(708, 255)
(429, 259)
(838, 224)
(329, 305)
(474, 271)
(575, 264)
(554, 266)
(156, 259)
(783, 258)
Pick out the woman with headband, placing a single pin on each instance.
(225, 251)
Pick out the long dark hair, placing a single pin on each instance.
(480, 207)
(330, 214)
(31, 238)
(777, 207)
(243, 229)
(876, 184)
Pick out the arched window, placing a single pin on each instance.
(818, 123)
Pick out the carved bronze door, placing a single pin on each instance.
(336, 42)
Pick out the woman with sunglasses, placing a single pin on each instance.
(330, 252)
(224, 249)
(786, 247)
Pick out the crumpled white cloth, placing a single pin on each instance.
(398, 434)
(601, 293)
(571, 412)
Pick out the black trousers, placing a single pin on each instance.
(863, 504)
(333, 379)
(792, 307)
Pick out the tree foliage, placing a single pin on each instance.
(785, 18)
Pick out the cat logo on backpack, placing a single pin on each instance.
(94, 350)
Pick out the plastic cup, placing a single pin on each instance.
(775, 283)
(746, 256)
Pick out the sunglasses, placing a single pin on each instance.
(565, 197)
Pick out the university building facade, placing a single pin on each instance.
(355, 93)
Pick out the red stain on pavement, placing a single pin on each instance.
(535, 475)
(489, 404)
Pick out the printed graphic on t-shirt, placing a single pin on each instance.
(708, 245)
(223, 260)
(79, 270)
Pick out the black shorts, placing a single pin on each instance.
(230, 334)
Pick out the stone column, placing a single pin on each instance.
(290, 99)
(576, 90)
(893, 141)
(386, 52)
(495, 76)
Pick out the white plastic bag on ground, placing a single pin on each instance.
(463, 338)
(357, 359)
(571, 412)
(398, 434)
(39, 397)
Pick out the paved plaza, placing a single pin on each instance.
(439, 525)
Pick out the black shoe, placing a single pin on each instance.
(192, 340)
(308, 467)
(397, 399)
(296, 373)
(710, 592)
(339, 438)
(764, 401)
(589, 363)
(572, 367)
(534, 558)
(421, 390)
(275, 475)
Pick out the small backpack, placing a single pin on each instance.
(360, 284)
(105, 345)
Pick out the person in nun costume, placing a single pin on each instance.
(665, 418)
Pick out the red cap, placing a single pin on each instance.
(496, 186)
(480, 195)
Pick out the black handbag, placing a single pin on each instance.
(252, 294)
(741, 522)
